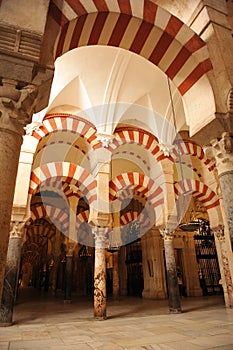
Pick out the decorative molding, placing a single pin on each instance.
(230, 101)
(106, 139)
(20, 42)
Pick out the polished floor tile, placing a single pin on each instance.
(44, 322)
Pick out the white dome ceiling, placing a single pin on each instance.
(110, 86)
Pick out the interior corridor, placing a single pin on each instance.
(44, 322)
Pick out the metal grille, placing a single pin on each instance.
(209, 273)
(133, 261)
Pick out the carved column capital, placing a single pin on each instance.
(221, 150)
(219, 232)
(100, 235)
(17, 229)
(105, 138)
(166, 234)
(16, 105)
(70, 248)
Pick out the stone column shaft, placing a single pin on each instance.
(68, 279)
(115, 279)
(172, 282)
(219, 233)
(222, 152)
(16, 108)
(69, 272)
(11, 276)
(57, 251)
(226, 183)
(100, 294)
(10, 144)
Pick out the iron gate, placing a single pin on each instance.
(209, 273)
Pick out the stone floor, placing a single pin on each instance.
(43, 322)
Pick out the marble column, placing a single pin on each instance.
(115, 277)
(16, 108)
(222, 152)
(11, 274)
(100, 295)
(69, 272)
(172, 282)
(228, 293)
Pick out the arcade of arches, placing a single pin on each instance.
(116, 149)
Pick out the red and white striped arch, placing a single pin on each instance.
(81, 218)
(140, 183)
(130, 135)
(55, 214)
(68, 122)
(191, 148)
(138, 26)
(132, 216)
(67, 172)
(199, 190)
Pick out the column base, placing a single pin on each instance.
(6, 324)
(175, 311)
(100, 318)
(68, 301)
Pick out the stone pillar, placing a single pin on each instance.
(16, 108)
(69, 272)
(172, 282)
(115, 279)
(228, 285)
(57, 257)
(193, 287)
(153, 265)
(123, 271)
(100, 293)
(222, 151)
(11, 275)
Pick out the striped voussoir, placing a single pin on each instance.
(141, 27)
(68, 122)
(131, 216)
(190, 148)
(35, 233)
(199, 190)
(136, 136)
(81, 218)
(67, 172)
(47, 211)
(52, 185)
(140, 183)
